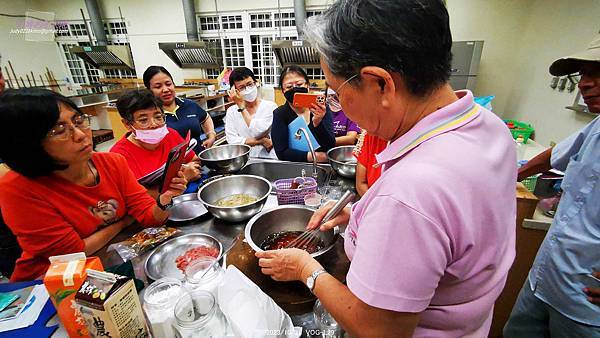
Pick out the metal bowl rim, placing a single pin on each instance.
(225, 159)
(240, 206)
(336, 161)
(254, 218)
(173, 239)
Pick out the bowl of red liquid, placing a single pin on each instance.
(280, 227)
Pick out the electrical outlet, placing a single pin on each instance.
(562, 84)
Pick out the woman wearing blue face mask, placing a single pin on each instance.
(147, 144)
(249, 120)
(292, 80)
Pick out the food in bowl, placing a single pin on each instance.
(194, 253)
(282, 240)
(236, 200)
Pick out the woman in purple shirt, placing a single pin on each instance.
(346, 131)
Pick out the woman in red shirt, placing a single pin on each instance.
(60, 196)
(366, 173)
(147, 145)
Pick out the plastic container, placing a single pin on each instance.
(293, 190)
(313, 200)
(530, 182)
(160, 299)
(519, 128)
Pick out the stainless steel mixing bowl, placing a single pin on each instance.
(231, 185)
(225, 159)
(285, 218)
(343, 161)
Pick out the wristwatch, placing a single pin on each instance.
(310, 281)
(241, 109)
(163, 207)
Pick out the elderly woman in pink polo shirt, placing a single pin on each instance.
(432, 241)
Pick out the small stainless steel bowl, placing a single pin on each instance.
(285, 218)
(162, 261)
(225, 159)
(186, 207)
(343, 161)
(231, 185)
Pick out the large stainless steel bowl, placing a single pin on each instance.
(225, 159)
(285, 218)
(231, 185)
(343, 161)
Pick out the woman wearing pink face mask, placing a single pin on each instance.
(147, 144)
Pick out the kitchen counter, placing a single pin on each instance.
(224, 231)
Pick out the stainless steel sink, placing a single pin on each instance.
(273, 171)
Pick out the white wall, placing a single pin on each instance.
(555, 28)
(500, 24)
(522, 38)
(26, 56)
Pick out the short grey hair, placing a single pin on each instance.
(408, 37)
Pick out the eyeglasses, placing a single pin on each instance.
(64, 131)
(339, 89)
(145, 122)
(241, 88)
(291, 85)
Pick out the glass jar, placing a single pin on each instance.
(202, 274)
(327, 326)
(160, 299)
(198, 315)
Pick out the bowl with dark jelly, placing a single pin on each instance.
(278, 227)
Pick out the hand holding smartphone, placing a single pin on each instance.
(305, 100)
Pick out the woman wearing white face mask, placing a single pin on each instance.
(147, 144)
(249, 120)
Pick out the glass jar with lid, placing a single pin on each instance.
(198, 315)
(202, 274)
(159, 302)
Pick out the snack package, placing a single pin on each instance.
(62, 280)
(111, 306)
(142, 241)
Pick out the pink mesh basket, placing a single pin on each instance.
(287, 195)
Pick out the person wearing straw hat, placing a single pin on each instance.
(561, 297)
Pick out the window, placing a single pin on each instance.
(214, 48)
(212, 73)
(315, 74)
(209, 23)
(313, 13)
(231, 21)
(75, 65)
(233, 50)
(287, 19)
(261, 20)
(61, 29)
(119, 74)
(263, 62)
(118, 28)
(78, 29)
(106, 32)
